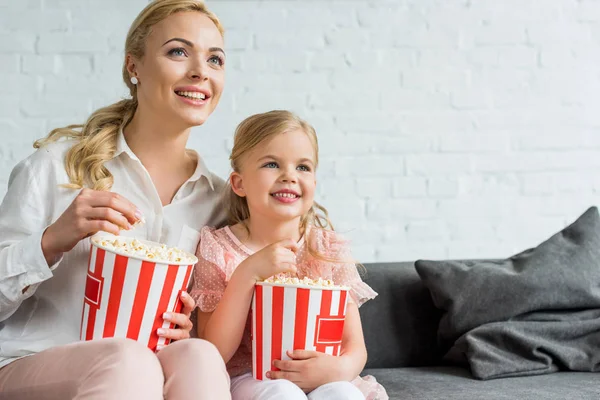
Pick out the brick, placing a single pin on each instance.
(410, 187)
(43, 21)
(496, 33)
(374, 187)
(496, 185)
(411, 252)
(371, 165)
(421, 122)
(401, 209)
(465, 229)
(442, 187)
(287, 40)
(538, 161)
(435, 230)
(100, 17)
(9, 63)
(12, 84)
(97, 85)
(68, 43)
(437, 164)
(75, 65)
(407, 99)
(238, 39)
(9, 108)
(471, 99)
(24, 42)
(108, 64)
(347, 39)
(34, 64)
(56, 106)
(21, 5)
(344, 188)
(480, 142)
(543, 183)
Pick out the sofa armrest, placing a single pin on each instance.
(400, 324)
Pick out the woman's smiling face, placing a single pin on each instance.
(182, 73)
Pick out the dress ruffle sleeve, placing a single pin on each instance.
(210, 274)
(345, 272)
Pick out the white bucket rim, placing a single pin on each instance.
(137, 257)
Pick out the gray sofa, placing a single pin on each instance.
(400, 328)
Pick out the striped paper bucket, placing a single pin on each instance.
(294, 317)
(126, 296)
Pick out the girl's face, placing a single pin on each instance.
(182, 73)
(278, 177)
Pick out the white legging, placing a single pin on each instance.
(245, 387)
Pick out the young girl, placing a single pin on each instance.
(276, 227)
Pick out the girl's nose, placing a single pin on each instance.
(289, 176)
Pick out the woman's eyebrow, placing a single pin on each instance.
(190, 44)
(184, 41)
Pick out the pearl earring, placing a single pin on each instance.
(134, 80)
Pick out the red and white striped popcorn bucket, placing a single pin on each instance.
(126, 296)
(295, 317)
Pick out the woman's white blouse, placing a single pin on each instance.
(48, 313)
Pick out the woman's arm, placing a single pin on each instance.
(24, 215)
(31, 244)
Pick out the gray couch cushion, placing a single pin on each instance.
(400, 324)
(529, 314)
(448, 383)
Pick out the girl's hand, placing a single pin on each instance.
(272, 260)
(90, 212)
(182, 321)
(309, 369)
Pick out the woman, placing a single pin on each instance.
(127, 164)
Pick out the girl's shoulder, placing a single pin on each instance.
(327, 242)
(221, 240)
(217, 247)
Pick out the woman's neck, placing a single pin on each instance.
(157, 144)
(263, 232)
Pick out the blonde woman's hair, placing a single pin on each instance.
(250, 133)
(97, 137)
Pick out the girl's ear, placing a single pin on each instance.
(237, 186)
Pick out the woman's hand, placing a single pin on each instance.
(90, 212)
(309, 369)
(274, 259)
(182, 321)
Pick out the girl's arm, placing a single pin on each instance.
(224, 327)
(311, 369)
(354, 351)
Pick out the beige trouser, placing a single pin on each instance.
(115, 369)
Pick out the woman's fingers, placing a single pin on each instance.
(181, 320)
(188, 303)
(95, 225)
(110, 215)
(173, 334)
(95, 198)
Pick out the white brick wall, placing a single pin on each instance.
(448, 128)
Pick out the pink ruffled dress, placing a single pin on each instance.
(220, 252)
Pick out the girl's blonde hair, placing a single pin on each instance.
(250, 133)
(97, 137)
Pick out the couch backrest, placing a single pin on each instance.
(400, 324)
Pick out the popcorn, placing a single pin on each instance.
(133, 247)
(287, 280)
